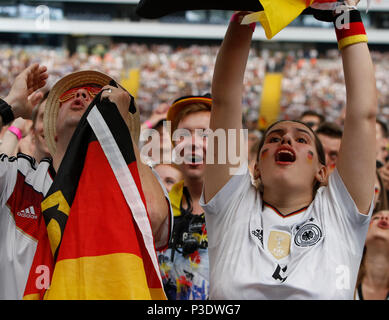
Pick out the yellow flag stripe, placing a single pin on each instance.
(54, 199)
(270, 100)
(157, 294)
(115, 276)
(54, 231)
(276, 15)
(33, 296)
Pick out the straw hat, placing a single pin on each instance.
(70, 81)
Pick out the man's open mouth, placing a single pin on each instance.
(77, 104)
(383, 225)
(285, 156)
(193, 159)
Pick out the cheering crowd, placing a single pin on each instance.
(306, 216)
(309, 79)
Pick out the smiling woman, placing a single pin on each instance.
(290, 238)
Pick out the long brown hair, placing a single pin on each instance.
(382, 203)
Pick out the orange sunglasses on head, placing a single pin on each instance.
(71, 93)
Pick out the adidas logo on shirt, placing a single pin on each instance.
(27, 213)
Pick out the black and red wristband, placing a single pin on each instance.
(351, 32)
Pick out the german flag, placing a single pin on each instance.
(274, 15)
(98, 243)
(277, 14)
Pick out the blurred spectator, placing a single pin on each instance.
(330, 135)
(185, 265)
(156, 116)
(12, 136)
(253, 140)
(252, 157)
(380, 195)
(373, 277)
(312, 119)
(381, 143)
(158, 147)
(253, 137)
(18, 135)
(382, 153)
(340, 119)
(40, 149)
(169, 174)
(310, 82)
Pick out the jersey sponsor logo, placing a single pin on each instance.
(279, 244)
(258, 233)
(308, 235)
(27, 213)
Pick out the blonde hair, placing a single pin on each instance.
(186, 110)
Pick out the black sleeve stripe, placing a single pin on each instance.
(28, 158)
(354, 16)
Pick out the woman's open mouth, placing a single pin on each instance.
(285, 156)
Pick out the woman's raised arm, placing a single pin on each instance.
(227, 90)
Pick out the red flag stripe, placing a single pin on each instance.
(351, 29)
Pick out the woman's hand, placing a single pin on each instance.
(31, 79)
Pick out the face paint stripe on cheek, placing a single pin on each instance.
(310, 156)
(264, 153)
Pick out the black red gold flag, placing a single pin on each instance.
(274, 15)
(99, 243)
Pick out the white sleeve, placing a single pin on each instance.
(237, 185)
(8, 174)
(228, 212)
(343, 217)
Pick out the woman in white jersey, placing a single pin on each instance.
(290, 239)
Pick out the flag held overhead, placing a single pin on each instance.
(154, 9)
(274, 15)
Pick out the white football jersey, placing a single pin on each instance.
(257, 253)
(22, 188)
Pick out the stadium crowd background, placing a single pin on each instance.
(312, 78)
(311, 81)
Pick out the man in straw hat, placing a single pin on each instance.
(24, 186)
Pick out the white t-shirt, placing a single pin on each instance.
(256, 253)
